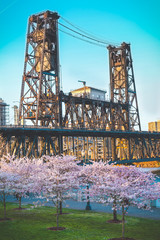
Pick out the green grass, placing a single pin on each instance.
(80, 225)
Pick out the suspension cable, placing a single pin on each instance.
(93, 43)
(86, 34)
(93, 39)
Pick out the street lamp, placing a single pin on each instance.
(88, 206)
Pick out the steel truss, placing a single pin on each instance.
(40, 83)
(88, 113)
(122, 88)
(75, 125)
(94, 144)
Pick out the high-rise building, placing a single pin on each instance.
(4, 113)
(16, 111)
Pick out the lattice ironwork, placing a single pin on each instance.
(82, 143)
(122, 88)
(39, 100)
(87, 128)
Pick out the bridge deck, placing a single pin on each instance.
(129, 146)
(41, 131)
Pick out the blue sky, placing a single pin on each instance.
(135, 22)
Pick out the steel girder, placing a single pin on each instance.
(42, 102)
(35, 142)
(40, 83)
(122, 88)
(30, 146)
(88, 113)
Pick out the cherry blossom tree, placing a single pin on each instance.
(86, 180)
(7, 183)
(61, 181)
(30, 172)
(129, 186)
(90, 175)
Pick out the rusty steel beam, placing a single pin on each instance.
(38, 141)
(39, 100)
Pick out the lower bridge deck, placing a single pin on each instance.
(122, 147)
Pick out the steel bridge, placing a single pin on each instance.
(66, 124)
(37, 141)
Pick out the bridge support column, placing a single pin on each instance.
(113, 148)
(128, 149)
(60, 144)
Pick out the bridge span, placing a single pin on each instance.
(131, 146)
(76, 123)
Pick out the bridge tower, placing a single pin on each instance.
(39, 100)
(123, 90)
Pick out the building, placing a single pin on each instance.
(16, 112)
(89, 92)
(97, 94)
(4, 113)
(16, 116)
(154, 126)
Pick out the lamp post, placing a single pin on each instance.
(88, 206)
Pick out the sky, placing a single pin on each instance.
(136, 22)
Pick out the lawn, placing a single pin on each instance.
(32, 224)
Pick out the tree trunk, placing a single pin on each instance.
(57, 215)
(123, 221)
(115, 215)
(20, 200)
(88, 206)
(4, 205)
(60, 207)
(114, 211)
